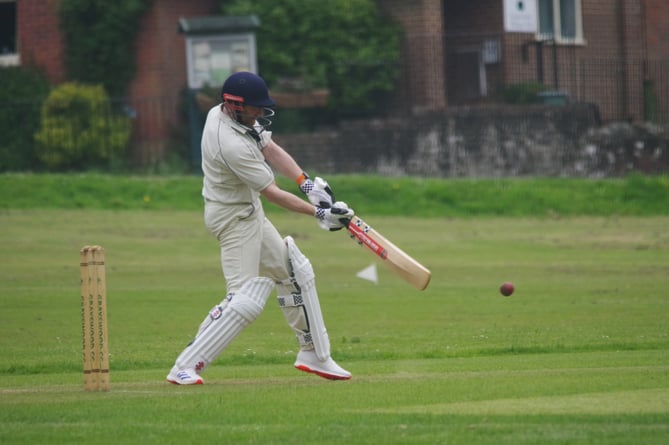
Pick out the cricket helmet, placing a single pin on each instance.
(246, 88)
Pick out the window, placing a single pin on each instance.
(8, 47)
(560, 20)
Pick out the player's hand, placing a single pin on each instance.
(318, 192)
(335, 217)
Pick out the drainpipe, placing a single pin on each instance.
(622, 51)
(649, 112)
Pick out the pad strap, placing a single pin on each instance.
(291, 300)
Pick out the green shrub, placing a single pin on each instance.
(22, 93)
(523, 93)
(79, 129)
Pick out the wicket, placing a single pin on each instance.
(94, 319)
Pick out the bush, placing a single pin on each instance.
(79, 129)
(22, 93)
(523, 93)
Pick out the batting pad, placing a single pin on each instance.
(292, 306)
(307, 297)
(226, 321)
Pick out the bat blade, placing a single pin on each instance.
(392, 256)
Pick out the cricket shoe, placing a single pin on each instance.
(328, 369)
(184, 377)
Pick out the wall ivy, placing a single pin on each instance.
(99, 40)
(23, 89)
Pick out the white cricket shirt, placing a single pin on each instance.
(234, 167)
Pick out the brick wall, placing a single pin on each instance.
(39, 40)
(606, 68)
(656, 14)
(465, 16)
(467, 26)
(614, 47)
(161, 74)
(423, 82)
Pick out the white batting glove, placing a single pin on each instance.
(318, 192)
(335, 217)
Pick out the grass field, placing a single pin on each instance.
(578, 355)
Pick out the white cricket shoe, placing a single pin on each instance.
(328, 369)
(184, 377)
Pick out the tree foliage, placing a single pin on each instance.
(347, 46)
(100, 39)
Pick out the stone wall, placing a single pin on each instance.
(495, 141)
(620, 148)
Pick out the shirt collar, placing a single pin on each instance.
(243, 129)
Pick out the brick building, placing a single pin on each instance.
(614, 53)
(161, 63)
(608, 52)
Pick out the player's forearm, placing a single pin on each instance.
(281, 161)
(287, 200)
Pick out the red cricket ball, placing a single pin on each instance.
(506, 289)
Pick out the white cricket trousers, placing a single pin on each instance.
(250, 244)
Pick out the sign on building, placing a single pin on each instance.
(520, 16)
(217, 47)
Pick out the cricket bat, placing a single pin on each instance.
(392, 256)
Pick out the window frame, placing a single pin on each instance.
(12, 59)
(556, 33)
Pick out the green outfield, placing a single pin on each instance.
(579, 354)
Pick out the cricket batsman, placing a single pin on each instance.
(239, 158)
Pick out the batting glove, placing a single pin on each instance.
(318, 192)
(335, 217)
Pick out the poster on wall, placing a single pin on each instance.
(520, 16)
(211, 59)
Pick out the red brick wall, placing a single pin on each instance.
(466, 16)
(612, 57)
(606, 68)
(161, 74)
(423, 52)
(516, 67)
(612, 27)
(467, 26)
(39, 39)
(161, 50)
(656, 14)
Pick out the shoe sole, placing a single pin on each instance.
(174, 382)
(305, 368)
